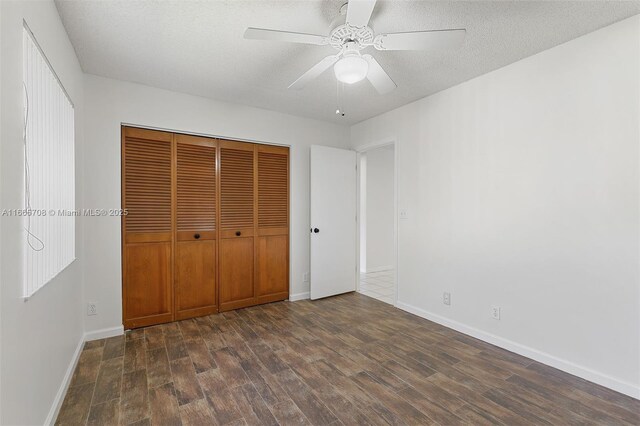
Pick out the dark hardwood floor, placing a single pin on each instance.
(344, 360)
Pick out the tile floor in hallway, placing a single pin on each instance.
(344, 360)
(379, 285)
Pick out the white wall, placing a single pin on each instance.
(379, 209)
(110, 103)
(522, 189)
(1, 204)
(39, 336)
(362, 211)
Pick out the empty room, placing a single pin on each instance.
(319, 212)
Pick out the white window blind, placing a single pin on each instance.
(49, 210)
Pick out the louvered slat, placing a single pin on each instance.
(272, 189)
(236, 188)
(148, 185)
(196, 183)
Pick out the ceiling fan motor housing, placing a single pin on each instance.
(345, 33)
(341, 33)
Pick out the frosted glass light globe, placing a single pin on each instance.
(351, 69)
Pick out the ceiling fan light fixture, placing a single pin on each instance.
(349, 33)
(351, 69)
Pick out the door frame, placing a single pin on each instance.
(363, 149)
(206, 135)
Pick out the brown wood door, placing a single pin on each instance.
(272, 272)
(207, 228)
(195, 250)
(147, 294)
(237, 195)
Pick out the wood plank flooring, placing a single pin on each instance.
(344, 360)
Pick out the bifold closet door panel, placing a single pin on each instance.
(195, 250)
(147, 228)
(148, 289)
(272, 274)
(195, 281)
(237, 224)
(273, 268)
(236, 273)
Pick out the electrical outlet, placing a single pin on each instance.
(446, 298)
(305, 277)
(495, 312)
(404, 214)
(92, 309)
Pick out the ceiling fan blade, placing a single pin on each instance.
(378, 77)
(359, 12)
(420, 40)
(275, 35)
(314, 72)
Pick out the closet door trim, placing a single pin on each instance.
(205, 135)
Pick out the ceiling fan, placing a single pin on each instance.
(349, 34)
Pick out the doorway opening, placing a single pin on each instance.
(377, 224)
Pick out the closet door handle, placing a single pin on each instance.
(196, 236)
(316, 230)
(238, 233)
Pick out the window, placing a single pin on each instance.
(49, 180)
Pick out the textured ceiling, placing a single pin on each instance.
(197, 47)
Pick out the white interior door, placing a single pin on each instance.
(333, 221)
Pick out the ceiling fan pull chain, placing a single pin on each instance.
(343, 99)
(337, 97)
(340, 110)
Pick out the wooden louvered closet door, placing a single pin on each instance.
(195, 249)
(272, 273)
(207, 228)
(147, 228)
(237, 225)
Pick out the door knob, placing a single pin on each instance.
(196, 236)
(316, 230)
(238, 233)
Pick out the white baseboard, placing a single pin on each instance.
(298, 296)
(378, 269)
(66, 380)
(577, 370)
(62, 390)
(103, 333)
